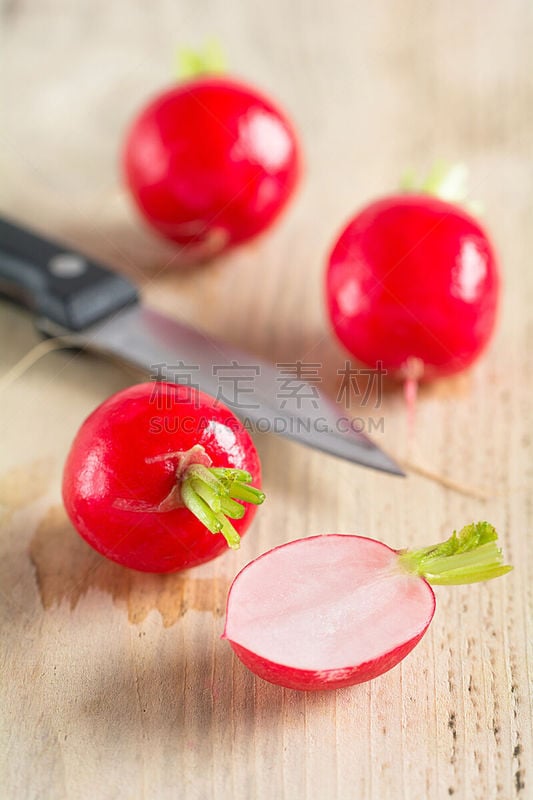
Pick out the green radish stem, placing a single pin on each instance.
(210, 493)
(231, 509)
(228, 531)
(197, 506)
(209, 60)
(447, 181)
(231, 474)
(469, 556)
(241, 491)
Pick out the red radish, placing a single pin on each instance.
(154, 474)
(412, 283)
(332, 611)
(211, 162)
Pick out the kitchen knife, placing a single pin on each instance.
(75, 296)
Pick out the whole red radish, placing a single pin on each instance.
(211, 162)
(413, 283)
(332, 611)
(155, 473)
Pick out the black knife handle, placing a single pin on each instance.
(57, 282)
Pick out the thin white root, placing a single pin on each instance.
(64, 342)
(32, 356)
(456, 486)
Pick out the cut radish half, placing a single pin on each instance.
(335, 610)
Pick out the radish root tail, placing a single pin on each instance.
(32, 357)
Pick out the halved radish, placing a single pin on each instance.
(335, 610)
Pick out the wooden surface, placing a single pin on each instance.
(117, 685)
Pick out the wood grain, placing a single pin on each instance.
(117, 685)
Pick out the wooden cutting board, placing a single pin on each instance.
(116, 684)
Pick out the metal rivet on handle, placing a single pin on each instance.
(67, 265)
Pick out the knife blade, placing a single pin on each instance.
(100, 310)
